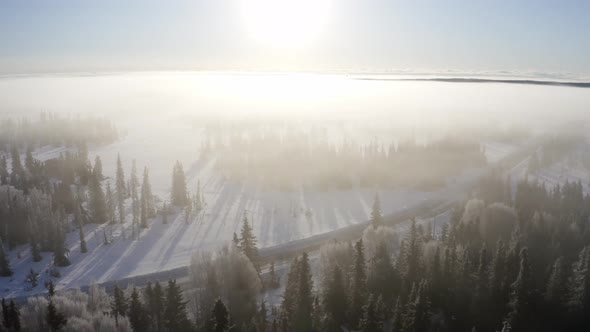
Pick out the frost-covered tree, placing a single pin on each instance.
(120, 189)
(358, 295)
(97, 201)
(248, 241)
(376, 214)
(179, 195)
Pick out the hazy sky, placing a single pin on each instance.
(351, 35)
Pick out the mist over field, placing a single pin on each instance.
(294, 166)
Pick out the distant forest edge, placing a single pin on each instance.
(480, 80)
(56, 130)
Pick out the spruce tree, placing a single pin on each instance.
(97, 201)
(50, 288)
(335, 299)
(219, 320)
(579, 287)
(136, 313)
(179, 196)
(5, 270)
(359, 280)
(135, 204)
(55, 319)
(376, 214)
(6, 318)
(304, 302)
(521, 294)
(382, 278)
(236, 240)
(370, 321)
(248, 242)
(4, 171)
(14, 314)
(262, 317)
(164, 214)
(147, 195)
(120, 188)
(119, 304)
(35, 250)
(97, 170)
(175, 316)
(60, 251)
(83, 247)
(17, 168)
(110, 205)
(155, 305)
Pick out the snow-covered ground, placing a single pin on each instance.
(277, 217)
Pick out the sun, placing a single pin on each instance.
(285, 23)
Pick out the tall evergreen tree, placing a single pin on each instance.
(304, 303)
(370, 321)
(14, 314)
(248, 242)
(336, 301)
(16, 176)
(55, 319)
(579, 288)
(179, 196)
(120, 188)
(5, 270)
(359, 279)
(136, 313)
(119, 304)
(175, 317)
(382, 278)
(110, 205)
(155, 299)
(6, 318)
(147, 200)
(135, 204)
(4, 171)
(97, 170)
(376, 214)
(97, 201)
(60, 251)
(77, 218)
(521, 295)
(219, 320)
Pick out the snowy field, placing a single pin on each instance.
(157, 130)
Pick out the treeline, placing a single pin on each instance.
(55, 130)
(554, 149)
(291, 160)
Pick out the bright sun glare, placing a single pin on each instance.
(285, 23)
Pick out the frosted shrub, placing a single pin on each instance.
(228, 274)
(497, 223)
(33, 314)
(473, 211)
(374, 236)
(98, 299)
(332, 255)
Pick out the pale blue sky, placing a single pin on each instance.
(372, 35)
